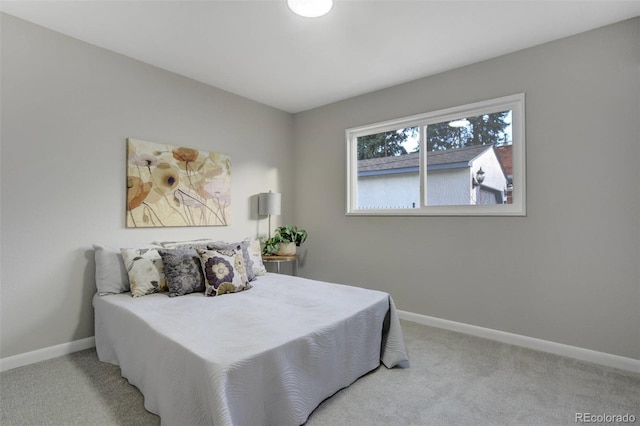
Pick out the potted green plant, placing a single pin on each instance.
(285, 240)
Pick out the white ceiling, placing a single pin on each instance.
(260, 50)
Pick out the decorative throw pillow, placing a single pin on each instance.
(244, 247)
(145, 269)
(255, 254)
(224, 271)
(190, 244)
(183, 271)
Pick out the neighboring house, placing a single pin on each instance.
(505, 152)
(394, 182)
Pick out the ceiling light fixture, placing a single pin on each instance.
(463, 122)
(310, 8)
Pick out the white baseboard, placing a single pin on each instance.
(582, 354)
(44, 354)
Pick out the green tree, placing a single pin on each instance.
(488, 129)
(441, 136)
(481, 130)
(386, 144)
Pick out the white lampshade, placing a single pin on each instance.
(310, 8)
(269, 203)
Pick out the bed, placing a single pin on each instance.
(266, 356)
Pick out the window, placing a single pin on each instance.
(466, 161)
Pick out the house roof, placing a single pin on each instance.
(436, 159)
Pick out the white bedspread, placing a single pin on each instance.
(266, 356)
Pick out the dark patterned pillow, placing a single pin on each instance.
(183, 271)
(243, 246)
(224, 271)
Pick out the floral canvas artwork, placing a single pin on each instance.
(176, 186)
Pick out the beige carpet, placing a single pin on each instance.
(454, 379)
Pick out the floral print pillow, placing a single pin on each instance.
(224, 271)
(255, 254)
(242, 246)
(145, 269)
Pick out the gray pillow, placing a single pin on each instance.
(111, 275)
(183, 271)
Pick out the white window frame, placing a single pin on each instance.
(515, 103)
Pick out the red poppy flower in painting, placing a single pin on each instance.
(185, 154)
(137, 191)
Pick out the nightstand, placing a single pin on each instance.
(281, 259)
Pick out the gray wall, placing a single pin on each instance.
(569, 271)
(67, 109)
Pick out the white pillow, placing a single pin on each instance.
(145, 269)
(255, 253)
(111, 274)
(187, 244)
